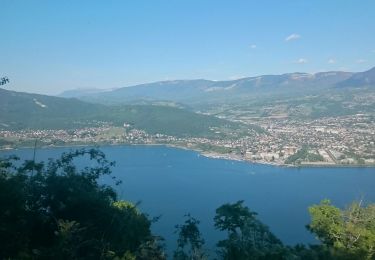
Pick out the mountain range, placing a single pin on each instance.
(175, 107)
(206, 91)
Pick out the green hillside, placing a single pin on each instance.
(30, 111)
(20, 110)
(169, 120)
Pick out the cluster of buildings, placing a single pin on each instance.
(339, 140)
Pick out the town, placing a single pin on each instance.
(338, 141)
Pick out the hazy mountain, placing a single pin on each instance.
(360, 79)
(177, 90)
(20, 110)
(80, 92)
(206, 91)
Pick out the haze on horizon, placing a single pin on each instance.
(48, 46)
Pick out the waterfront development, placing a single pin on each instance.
(330, 141)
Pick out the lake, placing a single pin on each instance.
(172, 182)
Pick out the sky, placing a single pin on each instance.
(51, 46)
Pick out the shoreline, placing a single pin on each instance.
(206, 154)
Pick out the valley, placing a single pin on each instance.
(263, 121)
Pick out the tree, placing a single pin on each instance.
(4, 80)
(248, 238)
(57, 210)
(152, 249)
(350, 233)
(190, 242)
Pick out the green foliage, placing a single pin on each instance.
(345, 234)
(152, 249)
(311, 252)
(167, 120)
(20, 111)
(189, 243)
(248, 238)
(304, 155)
(55, 210)
(350, 232)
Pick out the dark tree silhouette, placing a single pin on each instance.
(248, 238)
(4, 80)
(190, 242)
(57, 210)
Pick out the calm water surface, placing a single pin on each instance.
(171, 182)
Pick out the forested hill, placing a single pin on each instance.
(20, 110)
(23, 110)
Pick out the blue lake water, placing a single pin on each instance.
(171, 182)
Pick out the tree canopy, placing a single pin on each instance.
(190, 242)
(55, 210)
(248, 238)
(4, 80)
(349, 232)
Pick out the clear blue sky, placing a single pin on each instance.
(50, 46)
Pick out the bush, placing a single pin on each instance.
(56, 211)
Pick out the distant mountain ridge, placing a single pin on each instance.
(360, 79)
(82, 92)
(201, 90)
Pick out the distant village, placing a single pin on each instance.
(347, 140)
